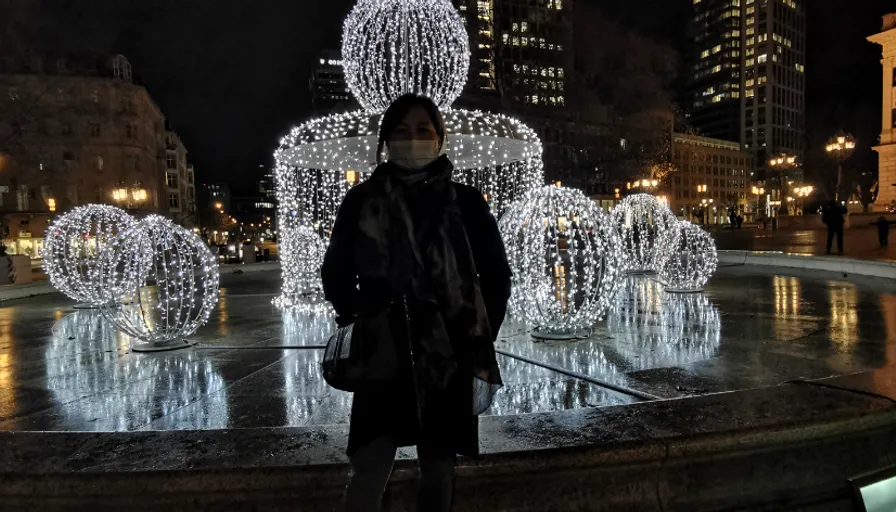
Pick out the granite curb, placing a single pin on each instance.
(837, 264)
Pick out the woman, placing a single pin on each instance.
(422, 253)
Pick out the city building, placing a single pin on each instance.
(712, 177)
(180, 182)
(714, 68)
(329, 90)
(746, 77)
(74, 132)
(521, 56)
(887, 149)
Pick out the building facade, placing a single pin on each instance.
(712, 178)
(180, 182)
(750, 54)
(71, 134)
(887, 149)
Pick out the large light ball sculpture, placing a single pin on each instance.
(73, 252)
(691, 263)
(303, 256)
(177, 293)
(390, 48)
(648, 231)
(564, 254)
(387, 46)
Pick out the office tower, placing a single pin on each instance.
(749, 53)
(328, 87)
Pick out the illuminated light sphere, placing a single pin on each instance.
(647, 228)
(563, 250)
(394, 47)
(303, 254)
(73, 252)
(692, 262)
(178, 291)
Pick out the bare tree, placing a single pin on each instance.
(628, 93)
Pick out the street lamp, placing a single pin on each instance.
(129, 198)
(782, 164)
(839, 148)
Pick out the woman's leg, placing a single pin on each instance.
(435, 492)
(371, 468)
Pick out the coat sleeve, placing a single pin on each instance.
(489, 256)
(339, 274)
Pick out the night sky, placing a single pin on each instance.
(232, 76)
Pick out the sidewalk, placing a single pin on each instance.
(861, 243)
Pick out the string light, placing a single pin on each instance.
(691, 263)
(388, 48)
(73, 251)
(562, 250)
(392, 47)
(648, 234)
(177, 292)
(303, 254)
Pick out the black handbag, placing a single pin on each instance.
(355, 357)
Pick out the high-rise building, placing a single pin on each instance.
(521, 56)
(714, 69)
(887, 149)
(329, 89)
(521, 50)
(746, 74)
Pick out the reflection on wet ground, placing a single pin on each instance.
(255, 366)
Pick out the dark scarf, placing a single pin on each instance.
(416, 222)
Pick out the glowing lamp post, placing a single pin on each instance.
(839, 148)
(130, 198)
(781, 165)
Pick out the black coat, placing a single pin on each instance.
(447, 423)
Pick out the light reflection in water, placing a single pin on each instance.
(844, 326)
(87, 358)
(664, 329)
(532, 389)
(788, 295)
(301, 328)
(888, 308)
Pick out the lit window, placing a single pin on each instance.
(717, 49)
(762, 58)
(704, 54)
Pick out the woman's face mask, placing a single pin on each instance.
(413, 154)
(414, 143)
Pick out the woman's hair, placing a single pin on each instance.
(396, 112)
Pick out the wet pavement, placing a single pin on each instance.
(860, 242)
(254, 366)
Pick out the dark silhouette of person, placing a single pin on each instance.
(833, 219)
(883, 230)
(416, 263)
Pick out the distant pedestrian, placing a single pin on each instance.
(833, 219)
(883, 230)
(732, 217)
(740, 221)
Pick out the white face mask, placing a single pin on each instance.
(413, 154)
